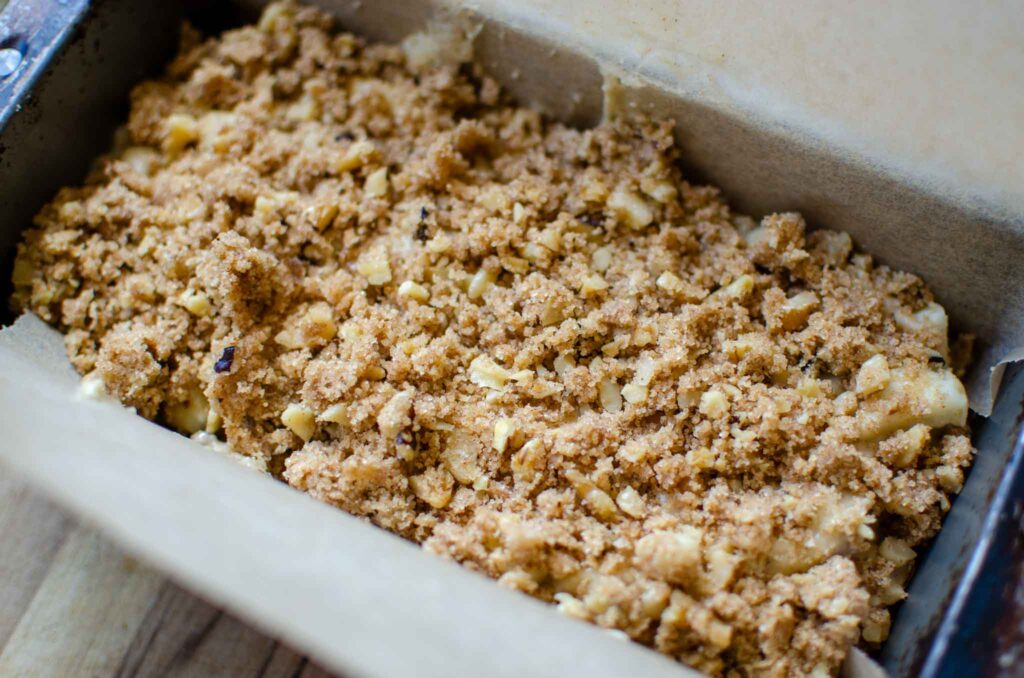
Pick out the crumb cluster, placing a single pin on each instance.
(536, 350)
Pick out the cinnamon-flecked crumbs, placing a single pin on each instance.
(536, 350)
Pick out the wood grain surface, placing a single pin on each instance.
(72, 604)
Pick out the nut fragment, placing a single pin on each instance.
(596, 499)
(632, 209)
(714, 404)
(196, 303)
(891, 593)
(661, 190)
(930, 318)
(645, 335)
(460, 455)
(375, 269)
(357, 155)
(906, 446)
(485, 372)
(631, 503)
(601, 259)
(593, 285)
(679, 288)
(143, 159)
(518, 213)
(634, 393)
(669, 281)
(874, 632)
(493, 199)
(191, 415)
(950, 478)
(896, 550)
(570, 606)
(394, 416)
(306, 108)
(687, 398)
(504, 429)
(670, 556)
(740, 288)
(563, 363)
(550, 238)
(439, 244)
(796, 309)
(216, 132)
(180, 130)
(434, 487)
(529, 461)
(376, 185)
(335, 414)
(610, 395)
(274, 15)
(481, 281)
(321, 216)
(300, 420)
(91, 387)
(873, 375)
(812, 388)
(740, 346)
(701, 457)
(313, 329)
(413, 290)
(552, 314)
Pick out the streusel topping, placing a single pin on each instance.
(536, 350)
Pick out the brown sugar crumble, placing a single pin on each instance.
(533, 349)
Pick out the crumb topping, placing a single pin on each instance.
(536, 350)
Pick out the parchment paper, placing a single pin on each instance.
(367, 603)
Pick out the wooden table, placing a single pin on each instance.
(72, 604)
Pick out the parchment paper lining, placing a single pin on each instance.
(364, 601)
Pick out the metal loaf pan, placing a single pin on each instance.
(78, 60)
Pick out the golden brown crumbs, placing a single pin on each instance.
(536, 350)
